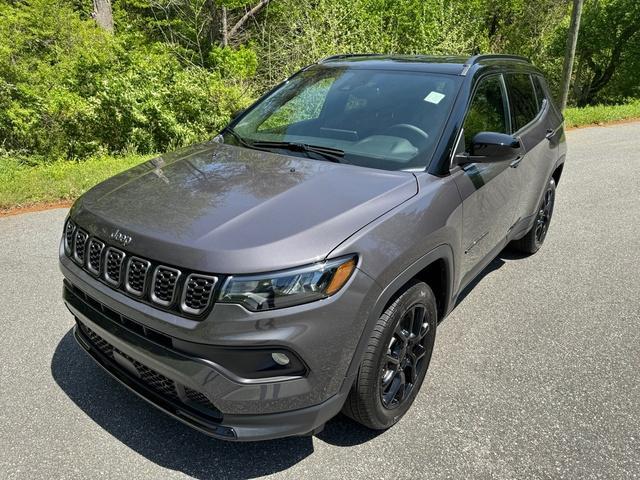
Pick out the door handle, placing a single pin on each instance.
(516, 162)
(550, 133)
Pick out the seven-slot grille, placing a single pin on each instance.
(79, 245)
(197, 293)
(113, 266)
(69, 232)
(164, 284)
(94, 262)
(137, 270)
(160, 285)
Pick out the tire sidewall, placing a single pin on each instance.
(418, 293)
(551, 185)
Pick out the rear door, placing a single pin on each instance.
(534, 123)
(490, 191)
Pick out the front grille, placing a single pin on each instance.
(69, 231)
(79, 246)
(94, 261)
(197, 293)
(155, 380)
(113, 265)
(105, 347)
(151, 378)
(164, 284)
(137, 270)
(198, 398)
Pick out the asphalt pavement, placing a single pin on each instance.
(536, 373)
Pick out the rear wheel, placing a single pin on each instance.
(534, 238)
(396, 360)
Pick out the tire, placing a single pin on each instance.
(403, 337)
(534, 238)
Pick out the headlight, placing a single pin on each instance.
(288, 287)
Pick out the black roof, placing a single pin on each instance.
(457, 65)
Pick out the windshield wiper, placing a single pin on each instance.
(331, 154)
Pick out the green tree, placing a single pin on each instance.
(609, 39)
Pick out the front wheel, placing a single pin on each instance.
(396, 360)
(534, 238)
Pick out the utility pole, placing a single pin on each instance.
(569, 56)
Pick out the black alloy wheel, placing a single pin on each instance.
(544, 215)
(534, 238)
(396, 359)
(404, 361)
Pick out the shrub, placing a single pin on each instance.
(69, 90)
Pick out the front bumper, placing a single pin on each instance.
(190, 372)
(242, 409)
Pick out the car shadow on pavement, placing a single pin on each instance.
(167, 442)
(494, 265)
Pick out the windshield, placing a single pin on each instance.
(381, 119)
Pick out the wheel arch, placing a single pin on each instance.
(557, 173)
(436, 269)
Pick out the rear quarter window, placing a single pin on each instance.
(522, 99)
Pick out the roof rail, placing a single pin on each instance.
(347, 55)
(491, 56)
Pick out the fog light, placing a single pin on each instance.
(280, 358)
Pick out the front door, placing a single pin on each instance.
(490, 191)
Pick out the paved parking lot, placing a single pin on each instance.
(536, 374)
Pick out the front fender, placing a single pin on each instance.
(442, 252)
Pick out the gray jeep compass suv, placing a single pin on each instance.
(298, 264)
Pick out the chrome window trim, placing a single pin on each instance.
(88, 256)
(188, 309)
(128, 287)
(105, 275)
(153, 296)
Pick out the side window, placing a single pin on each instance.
(487, 110)
(524, 106)
(540, 95)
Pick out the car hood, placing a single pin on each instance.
(226, 209)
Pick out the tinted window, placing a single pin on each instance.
(486, 113)
(540, 95)
(524, 106)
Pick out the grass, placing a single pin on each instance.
(22, 185)
(597, 114)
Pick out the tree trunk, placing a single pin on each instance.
(103, 14)
(240, 23)
(572, 40)
(225, 28)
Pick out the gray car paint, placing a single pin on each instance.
(214, 207)
(223, 209)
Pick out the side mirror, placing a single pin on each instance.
(489, 147)
(237, 113)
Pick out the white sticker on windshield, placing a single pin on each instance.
(434, 97)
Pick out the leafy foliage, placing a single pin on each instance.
(176, 69)
(608, 52)
(69, 90)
